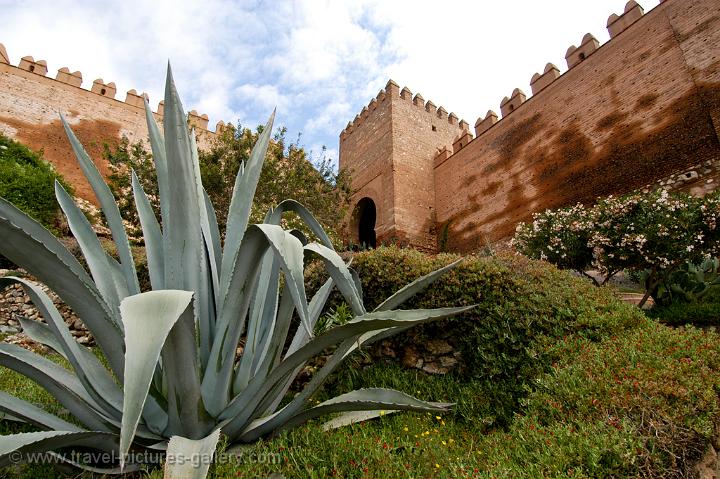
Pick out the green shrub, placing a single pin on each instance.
(522, 305)
(678, 314)
(27, 181)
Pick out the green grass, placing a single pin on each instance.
(642, 403)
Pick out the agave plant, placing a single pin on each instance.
(174, 381)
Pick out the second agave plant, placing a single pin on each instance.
(174, 383)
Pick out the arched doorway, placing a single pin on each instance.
(366, 215)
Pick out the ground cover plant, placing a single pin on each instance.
(611, 393)
(172, 381)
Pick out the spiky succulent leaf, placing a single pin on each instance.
(182, 450)
(358, 400)
(152, 235)
(27, 243)
(32, 442)
(93, 376)
(148, 319)
(240, 205)
(90, 246)
(24, 411)
(109, 207)
(414, 288)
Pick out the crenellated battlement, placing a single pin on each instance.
(574, 56)
(617, 24)
(392, 91)
(99, 86)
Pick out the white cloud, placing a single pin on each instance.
(319, 61)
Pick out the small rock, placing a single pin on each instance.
(448, 361)
(433, 368)
(387, 350)
(84, 340)
(411, 358)
(438, 347)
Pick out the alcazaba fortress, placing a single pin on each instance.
(640, 111)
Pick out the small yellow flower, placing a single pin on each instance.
(438, 417)
(437, 466)
(406, 429)
(442, 423)
(444, 443)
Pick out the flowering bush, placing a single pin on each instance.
(558, 236)
(652, 232)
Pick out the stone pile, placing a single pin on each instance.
(14, 302)
(434, 356)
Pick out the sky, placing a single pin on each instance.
(318, 61)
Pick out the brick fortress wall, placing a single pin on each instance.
(642, 110)
(29, 106)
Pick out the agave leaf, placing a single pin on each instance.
(40, 333)
(240, 206)
(26, 412)
(358, 400)
(109, 208)
(27, 243)
(353, 417)
(100, 381)
(181, 369)
(93, 376)
(271, 423)
(181, 450)
(341, 274)
(231, 323)
(59, 382)
(53, 458)
(415, 287)
(289, 251)
(151, 233)
(115, 272)
(272, 400)
(181, 230)
(243, 406)
(148, 319)
(274, 216)
(32, 442)
(262, 319)
(90, 245)
(214, 238)
(209, 281)
(216, 385)
(157, 144)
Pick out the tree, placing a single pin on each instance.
(287, 173)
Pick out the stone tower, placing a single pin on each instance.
(390, 149)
